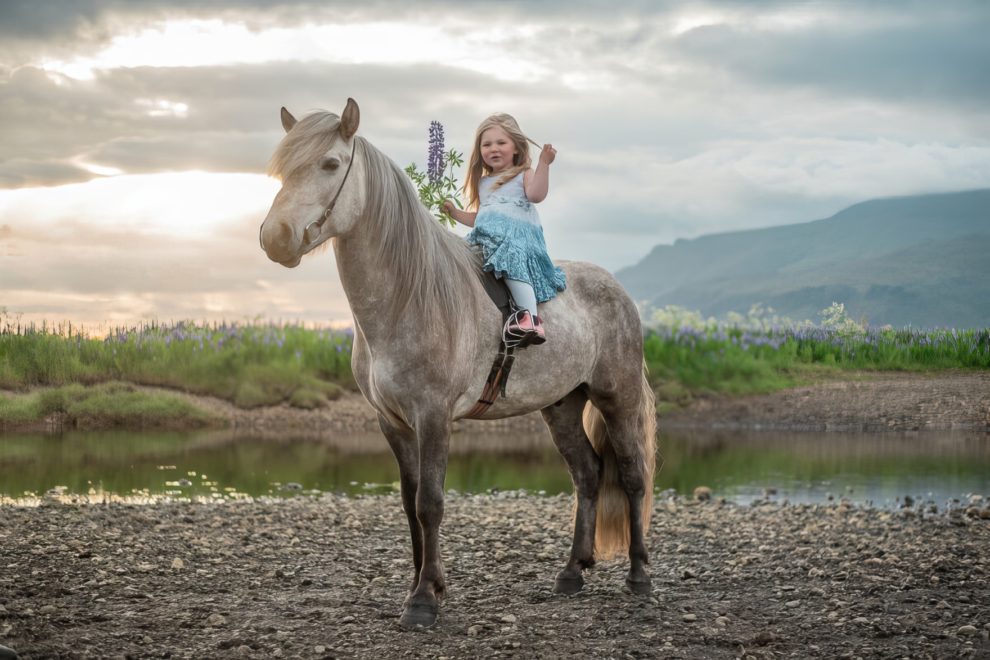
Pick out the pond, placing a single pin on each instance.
(876, 469)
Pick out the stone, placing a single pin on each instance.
(216, 620)
(966, 630)
(703, 493)
(508, 618)
(689, 617)
(178, 564)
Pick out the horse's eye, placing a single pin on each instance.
(330, 164)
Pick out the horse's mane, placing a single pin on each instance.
(434, 268)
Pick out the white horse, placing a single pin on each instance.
(425, 334)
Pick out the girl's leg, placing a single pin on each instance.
(526, 326)
(523, 295)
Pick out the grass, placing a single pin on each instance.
(708, 357)
(107, 405)
(262, 364)
(249, 365)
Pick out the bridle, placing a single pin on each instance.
(318, 224)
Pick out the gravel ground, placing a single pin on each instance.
(325, 578)
(313, 578)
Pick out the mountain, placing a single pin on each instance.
(922, 261)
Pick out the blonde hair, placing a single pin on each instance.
(476, 166)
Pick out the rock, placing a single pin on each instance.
(722, 621)
(703, 493)
(178, 564)
(216, 620)
(966, 630)
(763, 638)
(689, 617)
(508, 618)
(793, 603)
(475, 630)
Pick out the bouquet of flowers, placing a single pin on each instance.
(438, 183)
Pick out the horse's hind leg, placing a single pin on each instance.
(626, 430)
(404, 446)
(564, 420)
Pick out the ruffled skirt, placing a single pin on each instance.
(515, 249)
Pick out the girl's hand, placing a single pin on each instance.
(548, 154)
(448, 207)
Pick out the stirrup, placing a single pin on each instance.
(520, 330)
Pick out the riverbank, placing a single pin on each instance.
(314, 578)
(863, 401)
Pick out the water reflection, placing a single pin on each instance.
(807, 467)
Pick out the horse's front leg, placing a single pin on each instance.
(423, 604)
(402, 440)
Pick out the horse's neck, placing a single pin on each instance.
(366, 284)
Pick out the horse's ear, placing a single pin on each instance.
(288, 121)
(350, 119)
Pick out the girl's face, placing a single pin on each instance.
(497, 149)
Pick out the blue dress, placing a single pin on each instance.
(508, 230)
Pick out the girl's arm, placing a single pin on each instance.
(537, 184)
(463, 217)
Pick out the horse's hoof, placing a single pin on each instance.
(641, 586)
(568, 584)
(419, 615)
(8, 654)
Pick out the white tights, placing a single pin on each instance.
(523, 295)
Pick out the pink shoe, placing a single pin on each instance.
(522, 328)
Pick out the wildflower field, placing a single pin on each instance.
(249, 364)
(258, 364)
(760, 353)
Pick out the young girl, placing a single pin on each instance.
(502, 189)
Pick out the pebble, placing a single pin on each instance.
(216, 620)
(793, 603)
(966, 630)
(178, 564)
(508, 618)
(689, 617)
(703, 493)
(475, 630)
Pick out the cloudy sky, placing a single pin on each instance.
(136, 133)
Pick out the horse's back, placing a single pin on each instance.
(592, 328)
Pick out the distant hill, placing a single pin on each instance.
(922, 261)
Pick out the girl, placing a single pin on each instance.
(502, 189)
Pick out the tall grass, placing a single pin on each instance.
(688, 355)
(255, 364)
(250, 364)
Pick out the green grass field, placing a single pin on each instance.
(261, 364)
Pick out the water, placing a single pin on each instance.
(875, 469)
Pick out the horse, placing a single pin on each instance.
(424, 336)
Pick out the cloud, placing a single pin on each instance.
(672, 120)
(935, 53)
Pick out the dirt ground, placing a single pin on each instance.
(325, 577)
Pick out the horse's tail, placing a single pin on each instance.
(612, 519)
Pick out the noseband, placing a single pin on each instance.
(318, 224)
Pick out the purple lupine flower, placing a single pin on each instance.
(434, 157)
